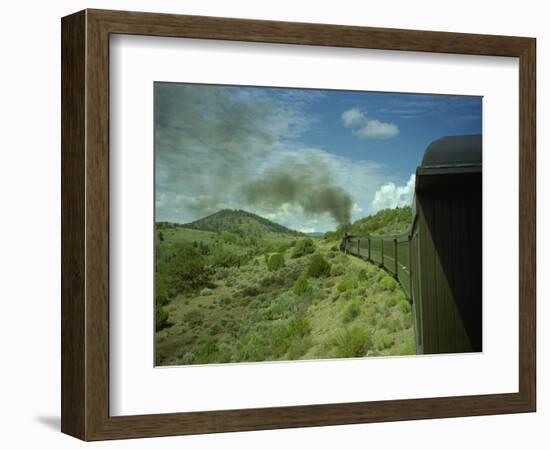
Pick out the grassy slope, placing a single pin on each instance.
(253, 314)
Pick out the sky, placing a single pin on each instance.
(308, 159)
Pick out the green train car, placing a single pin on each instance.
(438, 260)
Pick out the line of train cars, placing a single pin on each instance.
(438, 260)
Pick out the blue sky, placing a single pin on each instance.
(308, 159)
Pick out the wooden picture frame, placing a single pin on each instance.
(85, 224)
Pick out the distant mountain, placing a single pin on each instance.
(315, 234)
(239, 222)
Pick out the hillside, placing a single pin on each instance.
(386, 221)
(223, 295)
(239, 222)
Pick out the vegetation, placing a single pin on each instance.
(303, 247)
(386, 221)
(318, 267)
(234, 287)
(275, 262)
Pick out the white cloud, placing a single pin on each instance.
(391, 196)
(377, 130)
(367, 128)
(353, 117)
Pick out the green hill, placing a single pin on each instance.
(386, 221)
(239, 222)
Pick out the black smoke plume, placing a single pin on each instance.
(305, 183)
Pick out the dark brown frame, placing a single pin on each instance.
(85, 224)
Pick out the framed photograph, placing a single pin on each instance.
(273, 225)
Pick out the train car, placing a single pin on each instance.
(446, 247)
(438, 260)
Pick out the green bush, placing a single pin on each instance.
(301, 285)
(337, 270)
(362, 275)
(187, 358)
(408, 347)
(298, 347)
(275, 262)
(225, 301)
(228, 259)
(352, 343)
(187, 270)
(299, 326)
(347, 284)
(352, 309)
(407, 321)
(384, 341)
(388, 283)
(194, 318)
(161, 290)
(252, 347)
(229, 237)
(161, 318)
(404, 306)
(318, 267)
(277, 310)
(303, 247)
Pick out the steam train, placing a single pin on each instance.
(438, 261)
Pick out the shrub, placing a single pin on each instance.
(352, 309)
(303, 247)
(252, 347)
(277, 310)
(228, 259)
(407, 321)
(404, 306)
(337, 270)
(275, 262)
(298, 347)
(301, 286)
(362, 275)
(299, 326)
(187, 270)
(250, 291)
(352, 343)
(187, 358)
(408, 347)
(318, 267)
(394, 325)
(224, 301)
(161, 290)
(347, 284)
(385, 341)
(229, 237)
(194, 318)
(388, 283)
(161, 318)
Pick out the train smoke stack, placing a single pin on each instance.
(307, 183)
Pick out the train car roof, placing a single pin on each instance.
(449, 162)
(453, 152)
